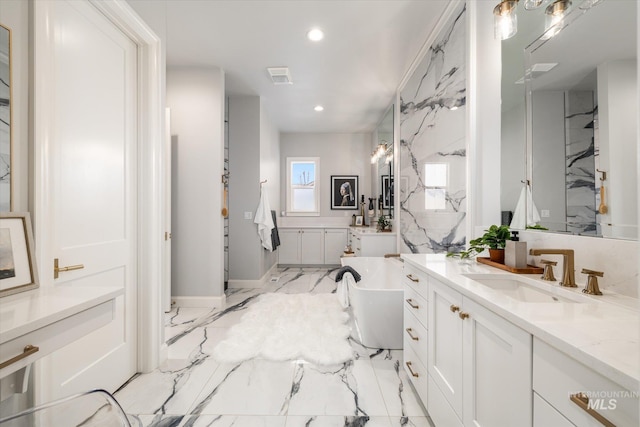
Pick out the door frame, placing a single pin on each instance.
(151, 349)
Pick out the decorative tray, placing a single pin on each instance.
(531, 269)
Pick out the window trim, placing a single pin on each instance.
(289, 195)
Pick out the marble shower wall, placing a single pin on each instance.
(433, 146)
(580, 161)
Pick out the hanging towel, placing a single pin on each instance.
(264, 220)
(521, 218)
(347, 269)
(275, 237)
(342, 290)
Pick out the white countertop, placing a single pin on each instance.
(603, 332)
(371, 230)
(27, 311)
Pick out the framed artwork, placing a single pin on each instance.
(359, 220)
(18, 271)
(344, 192)
(387, 192)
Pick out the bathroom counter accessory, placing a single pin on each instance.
(531, 269)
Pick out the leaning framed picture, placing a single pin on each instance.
(18, 272)
(344, 192)
(387, 192)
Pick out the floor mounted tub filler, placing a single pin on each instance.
(376, 301)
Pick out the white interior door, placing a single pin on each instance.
(166, 291)
(87, 107)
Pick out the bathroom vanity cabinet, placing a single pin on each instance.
(491, 360)
(311, 246)
(476, 359)
(368, 242)
(562, 387)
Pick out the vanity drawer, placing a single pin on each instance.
(415, 279)
(416, 372)
(557, 377)
(545, 415)
(416, 304)
(415, 336)
(53, 336)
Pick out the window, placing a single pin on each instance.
(436, 177)
(303, 193)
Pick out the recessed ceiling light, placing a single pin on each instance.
(318, 108)
(315, 35)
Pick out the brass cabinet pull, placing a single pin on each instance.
(410, 301)
(454, 308)
(411, 370)
(57, 270)
(582, 400)
(28, 351)
(413, 337)
(463, 315)
(413, 279)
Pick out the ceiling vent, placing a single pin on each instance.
(280, 75)
(537, 70)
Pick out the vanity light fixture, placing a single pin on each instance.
(382, 150)
(554, 14)
(315, 35)
(318, 108)
(505, 20)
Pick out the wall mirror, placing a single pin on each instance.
(579, 121)
(5, 119)
(382, 159)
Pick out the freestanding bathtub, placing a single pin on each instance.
(376, 301)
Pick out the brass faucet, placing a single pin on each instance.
(568, 275)
(592, 282)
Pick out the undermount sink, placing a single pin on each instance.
(521, 289)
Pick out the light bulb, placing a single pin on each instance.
(505, 19)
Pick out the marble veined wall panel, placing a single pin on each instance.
(580, 171)
(433, 162)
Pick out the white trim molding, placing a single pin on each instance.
(253, 284)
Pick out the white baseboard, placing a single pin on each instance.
(198, 302)
(253, 283)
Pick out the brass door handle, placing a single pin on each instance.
(463, 315)
(413, 337)
(410, 301)
(411, 370)
(413, 279)
(582, 400)
(454, 308)
(57, 269)
(28, 351)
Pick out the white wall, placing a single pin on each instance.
(340, 154)
(512, 160)
(549, 158)
(196, 99)
(618, 111)
(269, 170)
(253, 157)
(15, 15)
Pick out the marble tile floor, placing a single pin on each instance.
(191, 389)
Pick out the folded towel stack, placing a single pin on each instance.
(349, 269)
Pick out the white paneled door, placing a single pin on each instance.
(86, 183)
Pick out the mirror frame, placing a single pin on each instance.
(9, 49)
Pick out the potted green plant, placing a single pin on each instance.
(494, 239)
(383, 223)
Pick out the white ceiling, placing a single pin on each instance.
(354, 72)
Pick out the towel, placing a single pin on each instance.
(342, 290)
(522, 219)
(349, 269)
(264, 220)
(275, 237)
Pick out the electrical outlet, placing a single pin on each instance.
(544, 213)
(248, 215)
